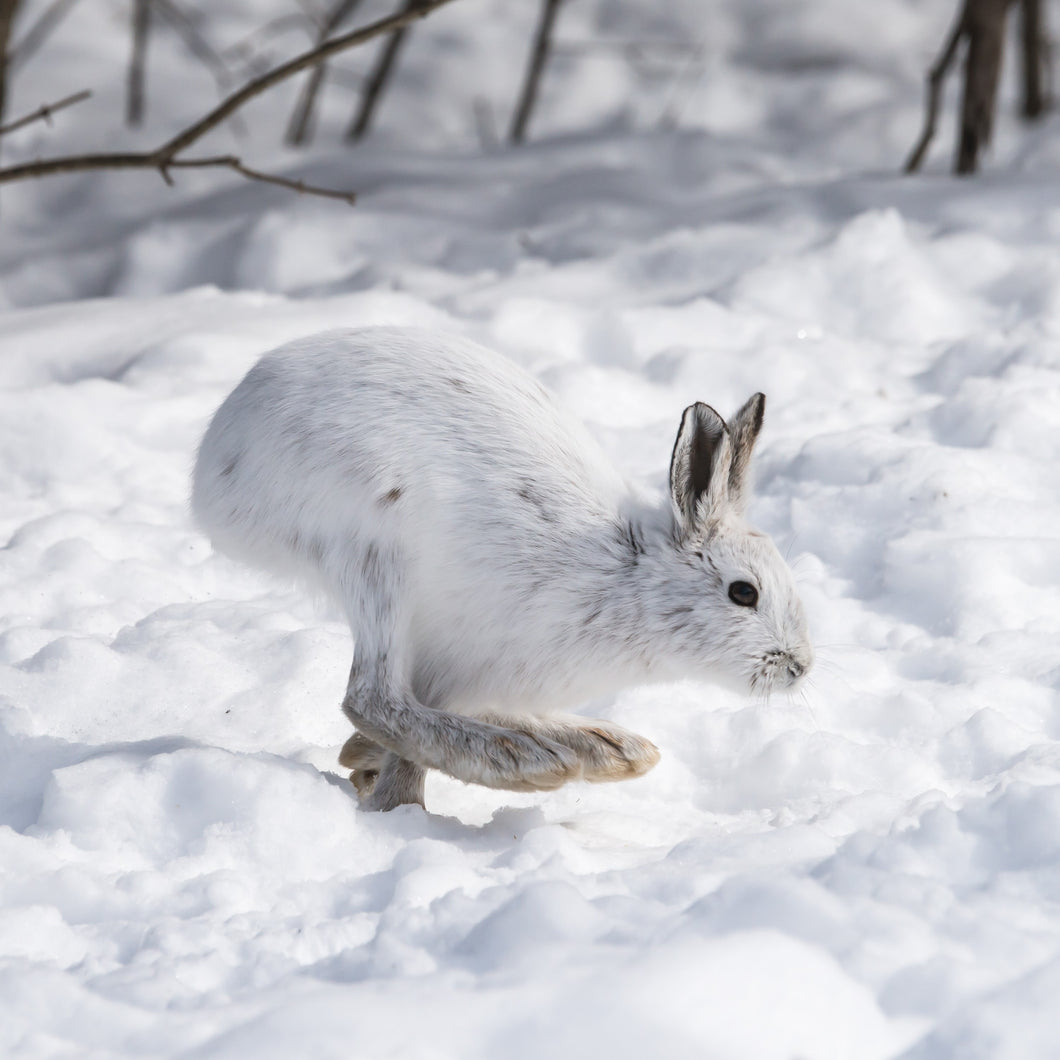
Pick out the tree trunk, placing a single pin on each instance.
(985, 29)
(1034, 53)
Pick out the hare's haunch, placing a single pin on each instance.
(493, 565)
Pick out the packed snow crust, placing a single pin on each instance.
(870, 869)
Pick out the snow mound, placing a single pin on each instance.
(867, 870)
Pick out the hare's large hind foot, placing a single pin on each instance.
(399, 783)
(358, 752)
(607, 751)
(364, 758)
(383, 779)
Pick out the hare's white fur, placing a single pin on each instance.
(493, 565)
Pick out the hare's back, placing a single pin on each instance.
(403, 399)
(395, 429)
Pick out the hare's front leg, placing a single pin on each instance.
(385, 712)
(607, 751)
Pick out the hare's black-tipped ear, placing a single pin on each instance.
(744, 430)
(697, 469)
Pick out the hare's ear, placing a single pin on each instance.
(744, 430)
(698, 467)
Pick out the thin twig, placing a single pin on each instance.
(531, 84)
(164, 157)
(45, 112)
(292, 67)
(141, 30)
(201, 48)
(299, 128)
(232, 162)
(934, 90)
(377, 80)
(132, 160)
(8, 9)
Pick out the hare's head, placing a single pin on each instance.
(746, 618)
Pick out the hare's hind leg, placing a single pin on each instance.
(399, 783)
(364, 758)
(607, 751)
(382, 779)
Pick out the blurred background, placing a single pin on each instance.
(700, 95)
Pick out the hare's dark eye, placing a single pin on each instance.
(743, 593)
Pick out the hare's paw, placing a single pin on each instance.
(522, 761)
(398, 783)
(602, 751)
(495, 756)
(364, 758)
(359, 752)
(608, 752)
(364, 780)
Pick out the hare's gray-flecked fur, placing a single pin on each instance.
(493, 565)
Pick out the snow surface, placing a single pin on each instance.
(868, 870)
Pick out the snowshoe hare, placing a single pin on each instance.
(492, 564)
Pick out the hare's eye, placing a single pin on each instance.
(743, 593)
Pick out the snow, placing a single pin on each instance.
(870, 869)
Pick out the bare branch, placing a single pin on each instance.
(8, 8)
(164, 158)
(49, 167)
(133, 160)
(201, 48)
(300, 126)
(936, 75)
(982, 24)
(45, 112)
(234, 163)
(528, 96)
(134, 96)
(294, 66)
(377, 80)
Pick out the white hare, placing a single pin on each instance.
(491, 562)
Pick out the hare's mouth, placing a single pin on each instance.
(778, 669)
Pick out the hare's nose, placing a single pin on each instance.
(796, 668)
